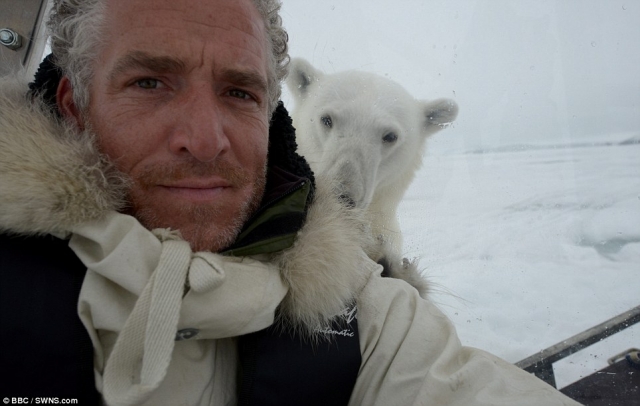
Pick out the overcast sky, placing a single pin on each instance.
(548, 70)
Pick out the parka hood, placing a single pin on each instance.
(54, 179)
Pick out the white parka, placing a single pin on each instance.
(134, 306)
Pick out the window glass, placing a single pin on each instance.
(526, 212)
(22, 35)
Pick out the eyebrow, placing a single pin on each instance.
(167, 64)
(146, 61)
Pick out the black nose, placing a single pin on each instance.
(347, 201)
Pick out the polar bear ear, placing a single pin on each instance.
(302, 75)
(440, 112)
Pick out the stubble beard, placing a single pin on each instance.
(207, 227)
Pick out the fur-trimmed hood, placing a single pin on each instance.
(51, 177)
(54, 179)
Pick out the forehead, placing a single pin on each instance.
(185, 27)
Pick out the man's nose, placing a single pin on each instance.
(200, 128)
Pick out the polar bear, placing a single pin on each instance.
(368, 133)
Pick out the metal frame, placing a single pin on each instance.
(31, 29)
(38, 40)
(541, 364)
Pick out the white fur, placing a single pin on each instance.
(327, 265)
(51, 177)
(372, 174)
(364, 107)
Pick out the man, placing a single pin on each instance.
(163, 244)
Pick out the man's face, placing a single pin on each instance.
(179, 103)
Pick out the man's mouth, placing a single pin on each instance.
(196, 189)
(197, 183)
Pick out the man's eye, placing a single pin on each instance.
(239, 94)
(147, 83)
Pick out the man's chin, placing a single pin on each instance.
(208, 225)
(204, 228)
(211, 239)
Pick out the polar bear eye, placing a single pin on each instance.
(326, 120)
(390, 137)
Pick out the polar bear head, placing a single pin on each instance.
(363, 130)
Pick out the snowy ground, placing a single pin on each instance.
(529, 245)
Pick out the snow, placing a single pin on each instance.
(526, 214)
(527, 247)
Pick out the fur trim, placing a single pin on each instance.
(51, 178)
(326, 267)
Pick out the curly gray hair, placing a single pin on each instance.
(75, 27)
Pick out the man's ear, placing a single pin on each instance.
(66, 105)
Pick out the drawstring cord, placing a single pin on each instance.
(142, 353)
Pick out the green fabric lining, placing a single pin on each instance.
(294, 202)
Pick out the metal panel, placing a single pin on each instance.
(23, 18)
(541, 364)
(615, 385)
